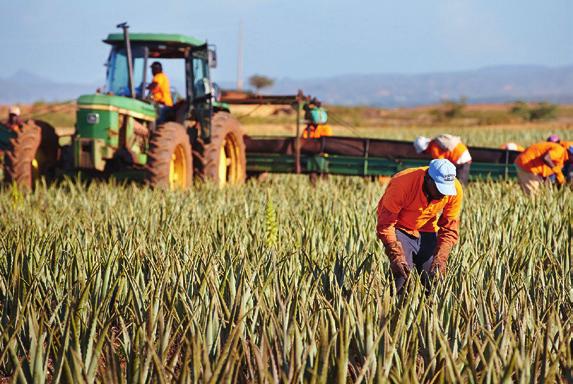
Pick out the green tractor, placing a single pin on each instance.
(118, 131)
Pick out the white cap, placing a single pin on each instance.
(421, 144)
(512, 146)
(14, 110)
(444, 175)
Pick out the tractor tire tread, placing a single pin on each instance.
(223, 124)
(163, 142)
(18, 159)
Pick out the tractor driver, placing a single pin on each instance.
(160, 90)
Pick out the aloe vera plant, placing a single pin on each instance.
(277, 282)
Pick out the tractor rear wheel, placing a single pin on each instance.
(223, 160)
(169, 159)
(33, 154)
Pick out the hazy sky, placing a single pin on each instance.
(61, 39)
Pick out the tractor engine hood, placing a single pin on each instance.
(99, 120)
(120, 104)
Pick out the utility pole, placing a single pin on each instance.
(240, 58)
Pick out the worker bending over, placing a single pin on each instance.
(568, 166)
(447, 147)
(539, 164)
(160, 90)
(419, 218)
(317, 118)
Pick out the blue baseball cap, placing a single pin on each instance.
(443, 172)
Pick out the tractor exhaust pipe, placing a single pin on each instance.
(125, 28)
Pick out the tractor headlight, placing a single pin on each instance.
(92, 118)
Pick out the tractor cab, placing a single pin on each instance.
(119, 128)
(146, 48)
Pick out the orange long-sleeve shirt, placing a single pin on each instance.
(404, 205)
(161, 93)
(459, 155)
(312, 132)
(567, 145)
(531, 160)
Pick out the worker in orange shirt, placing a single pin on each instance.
(316, 131)
(538, 164)
(419, 218)
(447, 147)
(160, 90)
(14, 121)
(317, 121)
(568, 166)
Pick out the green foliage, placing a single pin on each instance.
(540, 111)
(106, 282)
(521, 109)
(17, 195)
(484, 136)
(543, 111)
(259, 82)
(271, 225)
(450, 109)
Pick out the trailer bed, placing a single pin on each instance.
(360, 157)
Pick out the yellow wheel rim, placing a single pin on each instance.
(222, 169)
(229, 168)
(178, 169)
(35, 170)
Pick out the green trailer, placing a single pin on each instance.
(365, 157)
(349, 156)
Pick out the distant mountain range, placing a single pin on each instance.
(485, 85)
(26, 87)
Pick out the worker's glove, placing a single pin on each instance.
(398, 263)
(439, 264)
(438, 268)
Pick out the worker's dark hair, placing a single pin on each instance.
(157, 64)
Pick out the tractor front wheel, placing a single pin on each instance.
(169, 159)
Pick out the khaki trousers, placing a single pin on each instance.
(529, 182)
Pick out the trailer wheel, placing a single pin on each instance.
(33, 154)
(223, 160)
(169, 159)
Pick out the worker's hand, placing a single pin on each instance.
(439, 264)
(400, 269)
(559, 178)
(398, 263)
(438, 268)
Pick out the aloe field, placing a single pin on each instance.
(276, 282)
